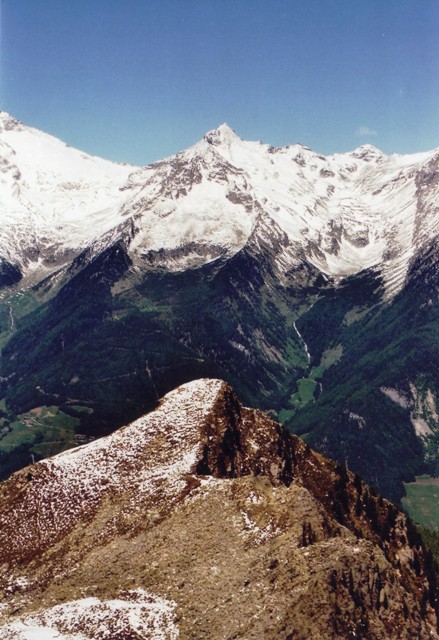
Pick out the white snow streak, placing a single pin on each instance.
(305, 346)
(135, 612)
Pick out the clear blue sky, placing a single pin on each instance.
(136, 80)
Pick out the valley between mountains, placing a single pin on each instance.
(309, 283)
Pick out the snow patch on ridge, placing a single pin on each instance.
(204, 216)
(134, 613)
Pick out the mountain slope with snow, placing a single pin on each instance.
(206, 520)
(342, 214)
(54, 200)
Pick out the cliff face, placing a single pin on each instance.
(205, 519)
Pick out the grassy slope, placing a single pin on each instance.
(422, 501)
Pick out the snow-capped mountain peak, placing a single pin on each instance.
(54, 199)
(221, 135)
(8, 123)
(368, 152)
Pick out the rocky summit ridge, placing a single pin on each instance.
(205, 519)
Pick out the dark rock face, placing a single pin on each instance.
(9, 273)
(193, 252)
(236, 527)
(240, 441)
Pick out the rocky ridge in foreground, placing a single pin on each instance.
(205, 519)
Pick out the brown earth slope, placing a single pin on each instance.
(206, 520)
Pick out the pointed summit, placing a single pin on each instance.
(367, 152)
(223, 135)
(7, 122)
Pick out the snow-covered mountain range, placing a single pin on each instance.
(341, 214)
